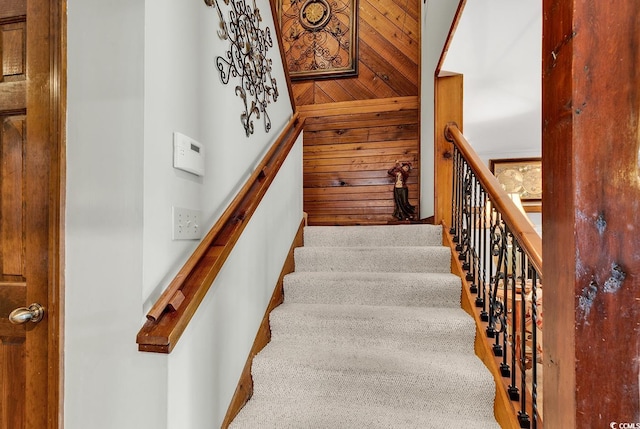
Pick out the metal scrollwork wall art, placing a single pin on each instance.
(319, 37)
(247, 60)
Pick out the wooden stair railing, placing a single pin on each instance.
(519, 224)
(169, 316)
(498, 254)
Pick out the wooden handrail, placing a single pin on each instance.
(519, 225)
(170, 315)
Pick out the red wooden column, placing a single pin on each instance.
(591, 213)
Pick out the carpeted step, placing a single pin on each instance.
(332, 414)
(372, 377)
(391, 327)
(409, 289)
(373, 235)
(428, 259)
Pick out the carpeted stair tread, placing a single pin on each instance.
(408, 289)
(407, 387)
(373, 235)
(332, 414)
(285, 368)
(434, 259)
(450, 329)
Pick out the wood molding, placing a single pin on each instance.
(360, 106)
(58, 196)
(244, 390)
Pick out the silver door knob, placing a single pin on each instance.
(34, 313)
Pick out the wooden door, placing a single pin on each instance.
(31, 130)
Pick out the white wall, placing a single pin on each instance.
(107, 382)
(137, 71)
(498, 48)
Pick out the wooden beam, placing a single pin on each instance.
(591, 201)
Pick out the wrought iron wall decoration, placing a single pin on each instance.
(247, 60)
(319, 37)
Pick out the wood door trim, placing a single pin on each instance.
(58, 174)
(57, 98)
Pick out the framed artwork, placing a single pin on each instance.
(522, 176)
(319, 37)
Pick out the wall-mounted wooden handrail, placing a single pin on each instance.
(169, 316)
(519, 225)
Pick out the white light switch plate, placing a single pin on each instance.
(186, 224)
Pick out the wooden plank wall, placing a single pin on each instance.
(357, 127)
(348, 149)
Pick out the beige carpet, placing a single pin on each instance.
(371, 335)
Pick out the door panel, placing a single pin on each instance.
(12, 381)
(11, 210)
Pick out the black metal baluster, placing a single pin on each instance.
(454, 193)
(482, 257)
(507, 283)
(498, 313)
(490, 226)
(472, 273)
(466, 213)
(496, 239)
(459, 203)
(513, 390)
(523, 417)
(534, 345)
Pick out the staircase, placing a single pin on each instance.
(370, 335)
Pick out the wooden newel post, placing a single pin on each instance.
(448, 95)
